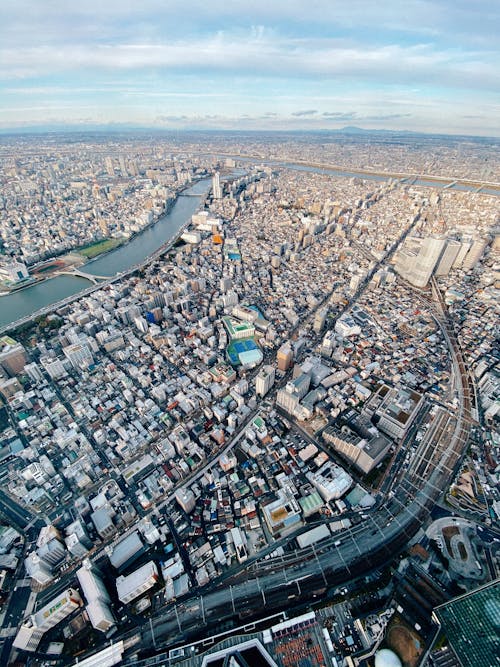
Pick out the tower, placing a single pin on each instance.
(216, 186)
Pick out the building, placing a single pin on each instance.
(393, 409)
(417, 265)
(320, 319)
(216, 186)
(79, 355)
(238, 330)
(239, 545)
(186, 499)
(103, 523)
(15, 272)
(282, 515)
(77, 540)
(331, 481)
(50, 546)
(138, 582)
(96, 595)
(448, 257)
(289, 397)
(38, 569)
(13, 356)
(364, 452)
(471, 624)
(284, 357)
(54, 367)
(474, 255)
(127, 551)
(264, 380)
(35, 626)
(248, 652)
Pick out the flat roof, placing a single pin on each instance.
(471, 623)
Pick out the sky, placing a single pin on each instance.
(423, 65)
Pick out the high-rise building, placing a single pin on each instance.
(264, 380)
(474, 255)
(448, 257)
(320, 319)
(35, 626)
(418, 267)
(132, 586)
(216, 186)
(464, 249)
(38, 569)
(96, 595)
(108, 162)
(284, 357)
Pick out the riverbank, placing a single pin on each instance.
(63, 265)
(56, 292)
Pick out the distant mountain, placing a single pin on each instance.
(352, 129)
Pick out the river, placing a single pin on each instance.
(31, 299)
(27, 301)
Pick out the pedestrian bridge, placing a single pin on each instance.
(81, 274)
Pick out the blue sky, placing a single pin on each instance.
(423, 65)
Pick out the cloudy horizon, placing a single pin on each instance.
(275, 65)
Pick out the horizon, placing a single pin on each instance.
(131, 129)
(275, 67)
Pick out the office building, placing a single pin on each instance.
(364, 452)
(38, 569)
(35, 626)
(418, 259)
(474, 255)
(96, 595)
(284, 357)
(471, 625)
(138, 582)
(448, 257)
(264, 380)
(216, 186)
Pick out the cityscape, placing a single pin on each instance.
(277, 429)
(249, 334)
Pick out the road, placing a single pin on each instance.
(303, 575)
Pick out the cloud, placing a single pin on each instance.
(258, 53)
(339, 115)
(307, 112)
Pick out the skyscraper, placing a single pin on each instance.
(216, 186)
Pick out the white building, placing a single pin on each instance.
(216, 186)
(331, 481)
(97, 597)
(138, 582)
(35, 626)
(79, 355)
(38, 569)
(264, 380)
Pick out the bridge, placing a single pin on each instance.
(81, 274)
